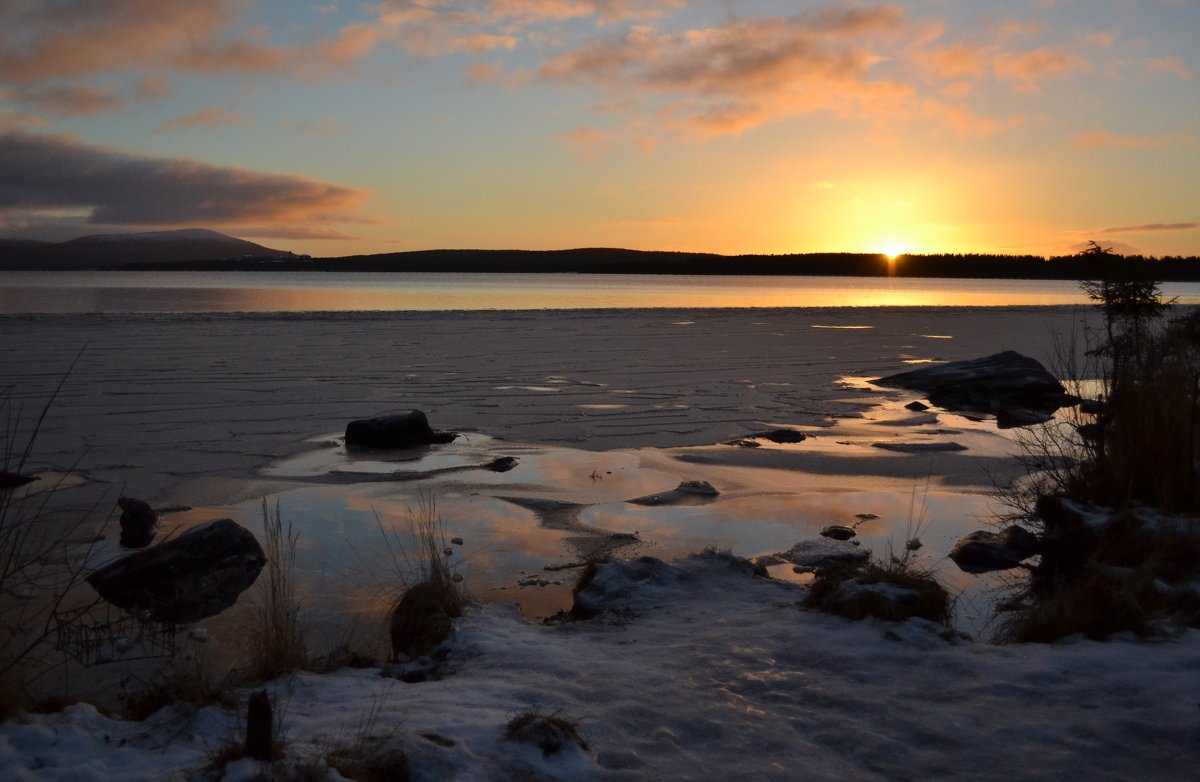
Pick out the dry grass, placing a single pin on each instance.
(549, 732)
(423, 616)
(39, 565)
(277, 643)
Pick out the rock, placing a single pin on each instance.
(780, 436)
(984, 552)
(818, 554)
(920, 447)
(916, 407)
(422, 619)
(686, 493)
(838, 532)
(138, 523)
(866, 516)
(408, 429)
(1015, 388)
(192, 577)
(456, 541)
(11, 480)
(501, 464)
(703, 488)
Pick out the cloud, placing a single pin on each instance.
(1151, 227)
(1171, 65)
(212, 117)
(1098, 139)
(729, 78)
(589, 143)
(1026, 69)
(70, 101)
(44, 175)
(41, 41)
(294, 232)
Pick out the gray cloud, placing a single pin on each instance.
(45, 175)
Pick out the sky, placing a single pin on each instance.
(741, 126)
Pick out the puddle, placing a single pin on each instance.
(524, 529)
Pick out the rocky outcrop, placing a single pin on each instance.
(686, 493)
(138, 523)
(405, 429)
(1016, 389)
(194, 576)
(984, 552)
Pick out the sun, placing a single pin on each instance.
(893, 250)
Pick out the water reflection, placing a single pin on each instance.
(355, 515)
(126, 292)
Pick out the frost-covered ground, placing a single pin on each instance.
(698, 670)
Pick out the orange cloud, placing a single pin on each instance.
(212, 117)
(1026, 69)
(741, 74)
(1171, 65)
(72, 100)
(589, 143)
(43, 174)
(1097, 139)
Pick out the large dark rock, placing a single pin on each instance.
(984, 552)
(1016, 389)
(194, 576)
(406, 429)
(138, 523)
(423, 619)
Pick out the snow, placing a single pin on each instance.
(698, 669)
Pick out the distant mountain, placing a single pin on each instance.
(112, 251)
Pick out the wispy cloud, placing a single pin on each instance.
(1171, 65)
(1149, 227)
(211, 117)
(1097, 139)
(1026, 69)
(48, 174)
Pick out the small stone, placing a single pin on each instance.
(456, 541)
(838, 532)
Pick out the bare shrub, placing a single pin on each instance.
(43, 555)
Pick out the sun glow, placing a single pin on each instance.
(893, 251)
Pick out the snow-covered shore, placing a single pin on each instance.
(701, 671)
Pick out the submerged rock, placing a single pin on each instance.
(1016, 389)
(838, 532)
(984, 552)
(138, 522)
(501, 464)
(687, 492)
(192, 577)
(407, 429)
(817, 554)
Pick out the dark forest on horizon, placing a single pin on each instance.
(618, 261)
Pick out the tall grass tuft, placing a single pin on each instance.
(277, 645)
(432, 599)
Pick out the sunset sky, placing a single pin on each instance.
(338, 127)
